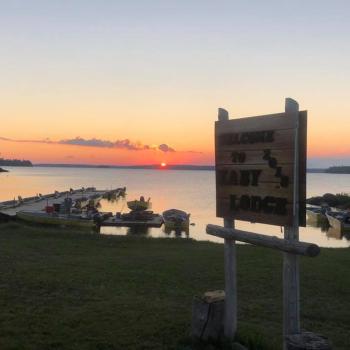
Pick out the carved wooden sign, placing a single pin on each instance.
(255, 164)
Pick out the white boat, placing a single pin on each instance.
(316, 215)
(40, 217)
(339, 220)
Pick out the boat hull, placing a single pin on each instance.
(48, 219)
(314, 218)
(337, 223)
(176, 220)
(138, 205)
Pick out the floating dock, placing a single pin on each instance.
(37, 203)
(155, 221)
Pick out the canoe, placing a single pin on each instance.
(175, 219)
(40, 217)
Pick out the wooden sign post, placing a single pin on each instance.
(261, 177)
(230, 322)
(291, 289)
(258, 162)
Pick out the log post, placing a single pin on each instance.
(208, 316)
(291, 289)
(230, 322)
(293, 247)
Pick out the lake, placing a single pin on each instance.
(191, 191)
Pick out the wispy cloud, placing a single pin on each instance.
(165, 148)
(29, 141)
(78, 141)
(125, 144)
(120, 144)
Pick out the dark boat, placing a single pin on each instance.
(175, 219)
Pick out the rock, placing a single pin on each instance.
(307, 341)
(237, 346)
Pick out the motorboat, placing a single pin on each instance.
(175, 219)
(139, 205)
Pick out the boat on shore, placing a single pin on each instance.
(175, 219)
(316, 216)
(57, 219)
(339, 220)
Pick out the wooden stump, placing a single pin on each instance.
(208, 316)
(307, 341)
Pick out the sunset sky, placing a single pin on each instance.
(139, 82)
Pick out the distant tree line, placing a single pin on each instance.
(338, 170)
(339, 200)
(15, 162)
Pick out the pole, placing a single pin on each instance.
(230, 321)
(291, 288)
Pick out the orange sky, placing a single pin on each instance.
(156, 72)
(191, 136)
(64, 154)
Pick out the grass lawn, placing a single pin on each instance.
(61, 290)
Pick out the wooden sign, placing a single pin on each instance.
(255, 165)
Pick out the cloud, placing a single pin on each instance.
(47, 140)
(125, 144)
(78, 141)
(165, 148)
(120, 144)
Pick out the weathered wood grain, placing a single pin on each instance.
(284, 156)
(273, 188)
(223, 208)
(256, 123)
(291, 281)
(230, 256)
(276, 177)
(207, 319)
(267, 174)
(283, 139)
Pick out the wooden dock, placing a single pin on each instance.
(37, 203)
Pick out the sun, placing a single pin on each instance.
(163, 165)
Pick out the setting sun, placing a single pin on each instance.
(163, 165)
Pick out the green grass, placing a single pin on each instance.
(60, 290)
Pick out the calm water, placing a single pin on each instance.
(192, 191)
